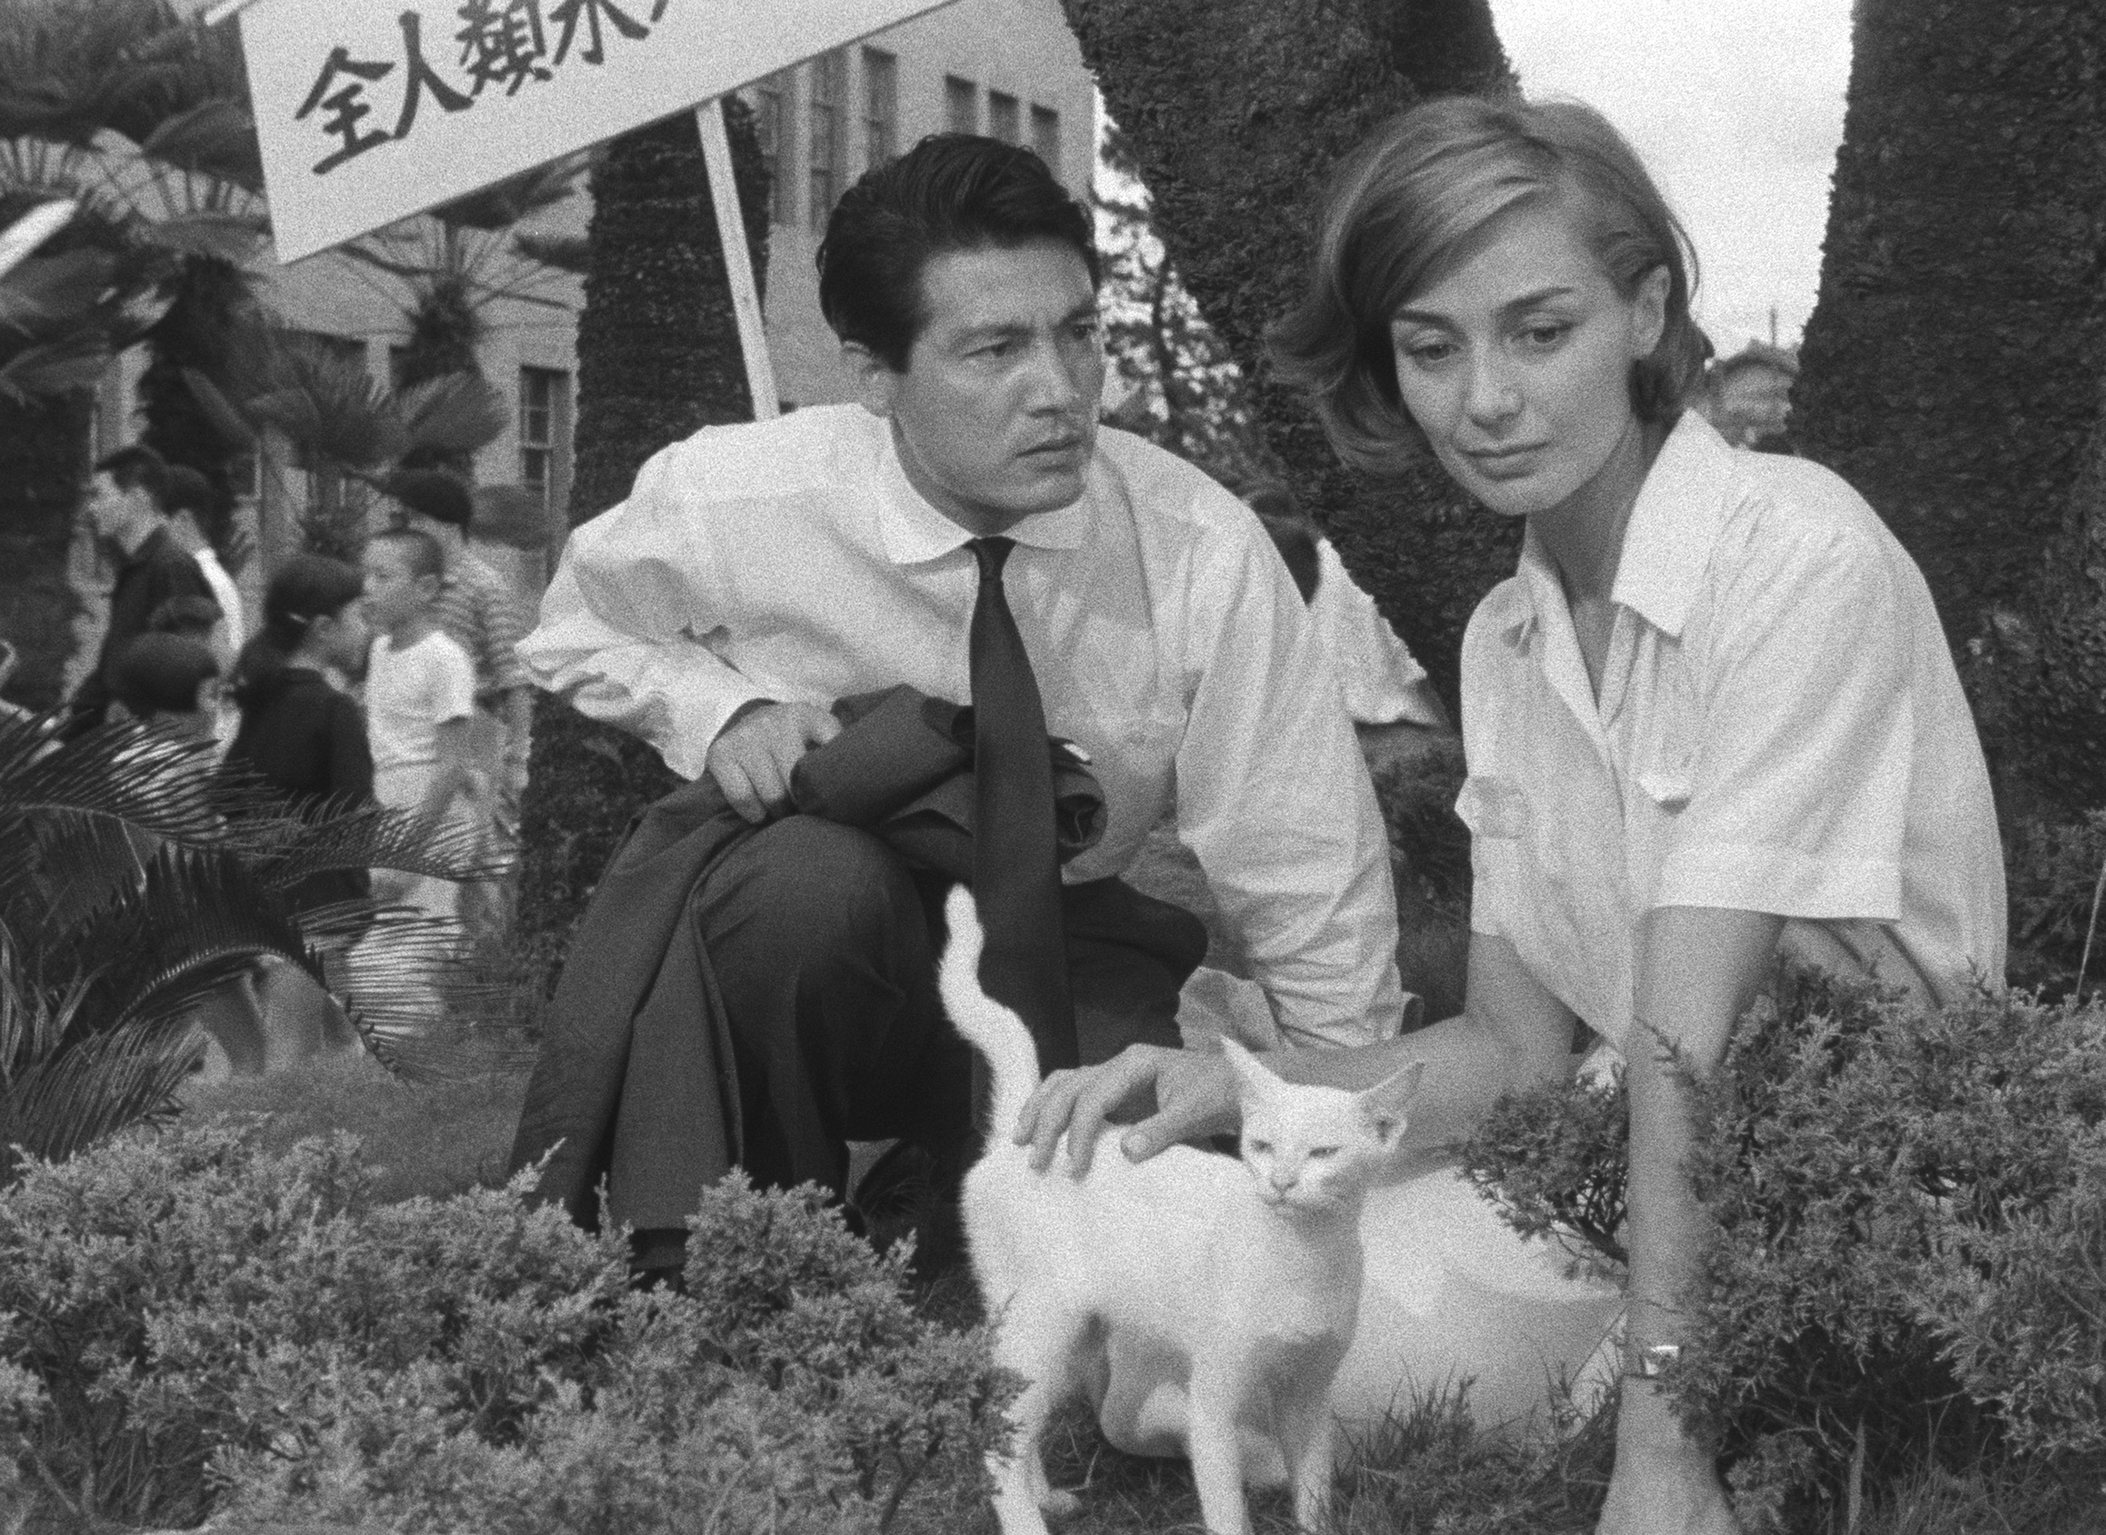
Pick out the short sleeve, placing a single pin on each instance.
(451, 681)
(1798, 788)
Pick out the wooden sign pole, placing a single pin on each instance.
(738, 260)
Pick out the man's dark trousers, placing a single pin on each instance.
(824, 943)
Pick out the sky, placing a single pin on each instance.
(1736, 107)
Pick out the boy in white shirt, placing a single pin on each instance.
(420, 699)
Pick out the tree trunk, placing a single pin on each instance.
(658, 358)
(1236, 112)
(43, 465)
(1952, 368)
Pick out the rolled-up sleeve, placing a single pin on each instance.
(1799, 791)
(1273, 798)
(618, 635)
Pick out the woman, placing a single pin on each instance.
(1712, 720)
(307, 738)
(299, 731)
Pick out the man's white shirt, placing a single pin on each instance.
(792, 560)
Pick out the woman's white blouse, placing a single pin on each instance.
(1779, 729)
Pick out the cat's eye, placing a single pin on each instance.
(1259, 1148)
(1319, 1153)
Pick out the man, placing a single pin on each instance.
(478, 609)
(126, 511)
(758, 574)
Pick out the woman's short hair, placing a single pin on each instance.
(306, 587)
(951, 192)
(1397, 219)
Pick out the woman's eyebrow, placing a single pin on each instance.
(1525, 301)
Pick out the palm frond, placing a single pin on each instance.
(455, 411)
(44, 292)
(335, 836)
(195, 919)
(73, 814)
(54, 368)
(413, 999)
(565, 253)
(215, 138)
(72, 1100)
(225, 417)
(504, 203)
(329, 409)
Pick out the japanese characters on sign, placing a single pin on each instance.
(369, 110)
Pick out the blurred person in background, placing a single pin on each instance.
(126, 511)
(477, 608)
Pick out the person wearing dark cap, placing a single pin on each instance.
(126, 511)
(478, 609)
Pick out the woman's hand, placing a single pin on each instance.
(1665, 1483)
(1191, 1094)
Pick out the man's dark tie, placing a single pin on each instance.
(1016, 875)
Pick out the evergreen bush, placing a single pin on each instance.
(190, 1325)
(1910, 1235)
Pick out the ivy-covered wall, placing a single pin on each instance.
(658, 358)
(1236, 112)
(1952, 369)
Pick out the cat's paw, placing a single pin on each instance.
(1059, 1503)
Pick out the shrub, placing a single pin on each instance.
(1911, 1234)
(192, 1325)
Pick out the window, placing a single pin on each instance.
(880, 107)
(770, 126)
(1045, 136)
(544, 400)
(961, 105)
(823, 154)
(1002, 119)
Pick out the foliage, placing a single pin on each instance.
(1183, 389)
(2055, 871)
(192, 1321)
(1417, 796)
(657, 358)
(134, 882)
(1951, 368)
(1236, 115)
(1909, 1234)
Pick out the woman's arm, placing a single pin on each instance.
(1698, 971)
(1513, 1033)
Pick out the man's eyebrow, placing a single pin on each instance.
(1526, 301)
(1006, 330)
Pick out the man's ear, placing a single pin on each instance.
(876, 381)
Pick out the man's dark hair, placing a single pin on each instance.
(951, 192)
(184, 489)
(136, 465)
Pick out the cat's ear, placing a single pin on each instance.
(1384, 1103)
(1251, 1078)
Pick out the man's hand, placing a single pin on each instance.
(1192, 1094)
(752, 758)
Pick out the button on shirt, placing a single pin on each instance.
(1779, 729)
(792, 560)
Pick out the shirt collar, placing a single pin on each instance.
(914, 532)
(1675, 521)
(1666, 544)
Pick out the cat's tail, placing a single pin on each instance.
(989, 1027)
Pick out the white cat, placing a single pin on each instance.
(1245, 1277)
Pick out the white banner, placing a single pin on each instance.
(371, 110)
